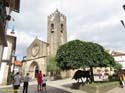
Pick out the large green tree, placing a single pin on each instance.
(78, 54)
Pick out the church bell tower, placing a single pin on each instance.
(57, 34)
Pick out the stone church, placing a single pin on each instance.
(38, 51)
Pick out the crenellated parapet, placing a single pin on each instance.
(56, 15)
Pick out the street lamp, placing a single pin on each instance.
(122, 20)
(124, 7)
(123, 23)
(12, 32)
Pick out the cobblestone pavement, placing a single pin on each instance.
(52, 87)
(58, 86)
(117, 90)
(33, 89)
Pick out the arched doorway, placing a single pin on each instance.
(33, 69)
(36, 71)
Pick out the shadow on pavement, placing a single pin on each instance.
(74, 85)
(33, 89)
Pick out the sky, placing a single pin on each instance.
(95, 21)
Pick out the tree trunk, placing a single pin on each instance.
(91, 71)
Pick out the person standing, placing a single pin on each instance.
(121, 80)
(103, 74)
(16, 83)
(25, 84)
(39, 80)
(44, 79)
(99, 74)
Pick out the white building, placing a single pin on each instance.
(17, 66)
(8, 52)
(6, 42)
(119, 57)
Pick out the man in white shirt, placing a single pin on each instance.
(25, 85)
(16, 83)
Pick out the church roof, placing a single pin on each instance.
(118, 54)
(37, 40)
(41, 41)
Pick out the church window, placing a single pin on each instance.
(36, 71)
(52, 31)
(52, 28)
(61, 28)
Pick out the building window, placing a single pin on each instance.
(52, 31)
(61, 28)
(1, 54)
(0, 12)
(52, 28)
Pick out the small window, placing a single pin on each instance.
(52, 26)
(0, 11)
(61, 28)
(52, 31)
(61, 31)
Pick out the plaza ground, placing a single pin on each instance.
(58, 86)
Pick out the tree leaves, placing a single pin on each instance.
(78, 54)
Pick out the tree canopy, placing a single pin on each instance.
(79, 54)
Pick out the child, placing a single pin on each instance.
(44, 79)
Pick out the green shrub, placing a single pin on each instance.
(113, 78)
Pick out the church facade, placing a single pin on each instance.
(38, 52)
